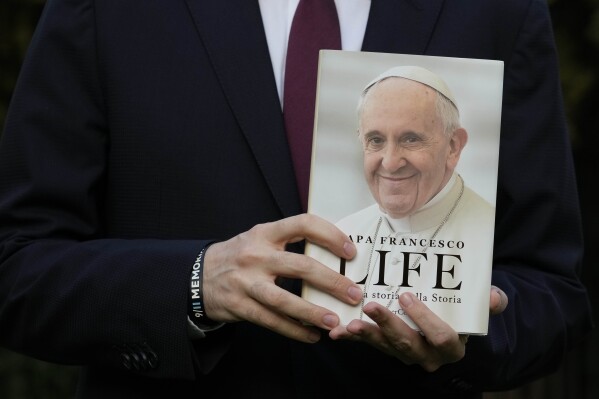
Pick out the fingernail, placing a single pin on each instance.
(330, 320)
(406, 300)
(314, 336)
(497, 292)
(349, 249)
(502, 298)
(354, 293)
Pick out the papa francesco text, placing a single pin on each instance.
(422, 242)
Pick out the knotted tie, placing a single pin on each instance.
(315, 26)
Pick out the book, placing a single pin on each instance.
(419, 206)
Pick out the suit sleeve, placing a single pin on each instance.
(69, 291)
(538, 243)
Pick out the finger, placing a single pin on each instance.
(389, 324)
(372, 334)
(323, 233)
(340, 332)
(256, 313)
(395, 337)
(283, 302)
(392, 335)
(498, 301)
(312, 228)
(437, 332)
(311, 271)
(369, 333)
(426, 320)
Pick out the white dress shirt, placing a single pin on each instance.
(277, 16)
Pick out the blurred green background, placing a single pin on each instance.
(576, 25)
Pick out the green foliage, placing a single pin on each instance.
(17, 22)
(22, 378)
(576, 25)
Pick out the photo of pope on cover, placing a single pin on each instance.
(404, 161)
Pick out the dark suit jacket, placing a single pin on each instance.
(140, 129)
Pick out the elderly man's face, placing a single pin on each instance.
(407, 156)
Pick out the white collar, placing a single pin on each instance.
(432, 213)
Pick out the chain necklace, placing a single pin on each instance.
(424, 249)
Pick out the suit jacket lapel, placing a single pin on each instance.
(233, 35)
(401, 26)
(232, 32)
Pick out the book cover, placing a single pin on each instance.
(404, 161)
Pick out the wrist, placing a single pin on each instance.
(196, 308)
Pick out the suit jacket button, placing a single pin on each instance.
(137, 357)
(135, 361)
(126, 361)
(149, 357)
(460, 384)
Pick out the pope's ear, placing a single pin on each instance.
(458, 141)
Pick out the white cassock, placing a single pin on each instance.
(442, 253)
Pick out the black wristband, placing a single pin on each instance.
(196, 311)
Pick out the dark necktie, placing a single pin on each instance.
(315, 26)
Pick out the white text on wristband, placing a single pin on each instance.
(197, 302)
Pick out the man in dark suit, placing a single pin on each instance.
(142, 131)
